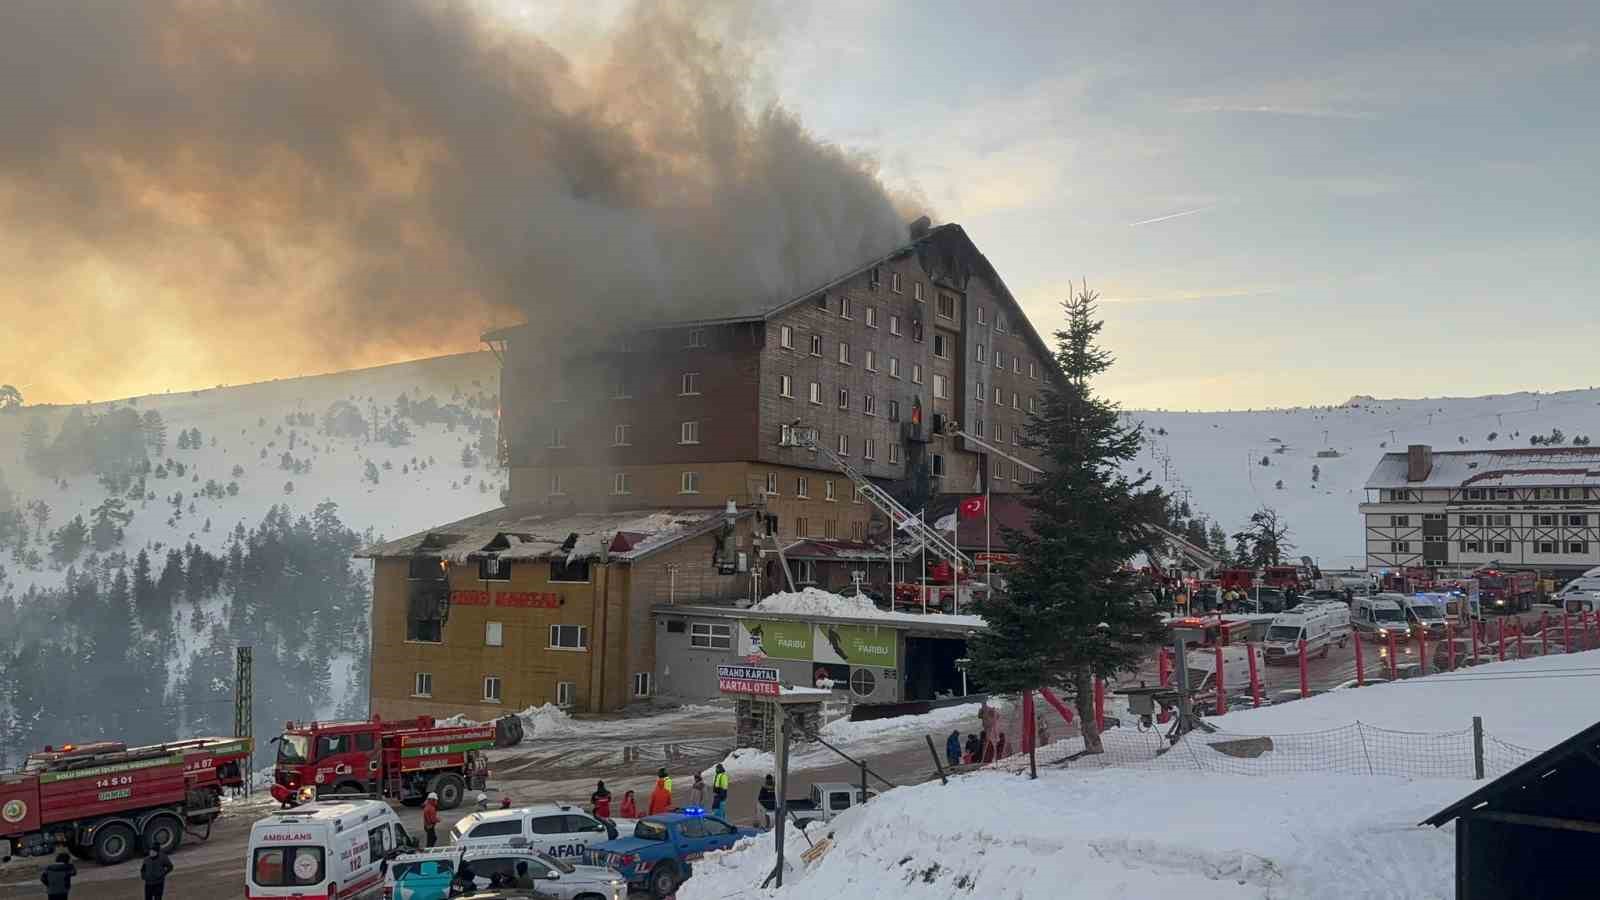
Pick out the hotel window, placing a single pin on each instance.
(1503, 521)
(916, 373)
(916, 291)
(494, 634)
(869, 359)
(828, 526)
(869, 404)
(710, 636)
(772, 484)
(1500, 546)
(1399, 521)
(937, 461)
(894, 410)
(1016, 435)
(423, 685)
(697, 338)
(557, 440)
(1469, 546)
(844, 445)
(1016, 400)
(894, 283)
(621, 483)
(555, 484)
(816, 393)
(691, 384)
(827, 490)
(875, 278)
(689, 433)
(844, 353)
(802, 528)
(491, 688)
(786, 337)
(1545, 547)
(939, 390)
(1578, 521)
(1032, 403)
(1016, 365)
(1547, 521)
(981, 395)
(978, 427)
(569, 637)
(1471, 520)
(894, 367)
(844, 307)
(641, 684)
(916, 330)
(821, 300)
(982, 318)
(999, 432)
(567, 692)
(689, 483)
(1399, 546)
(947, 306)
(816, 345)
(1474, 493)
(894, 323)
(785, 386)
(872, 316)
(999, 359)
(1577, 547)
(857, 496)
(869, 449)
(999, 397)
(1033, 370)
(1499, 493)
(620, 435)
(941, 346)
(844, 399)
(894, 453)
(802, 486)
(1000, 323)
(980, 353)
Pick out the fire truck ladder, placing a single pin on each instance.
(900, 517)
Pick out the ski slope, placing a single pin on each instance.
(1216, 456)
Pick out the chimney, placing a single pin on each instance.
(1419, 462)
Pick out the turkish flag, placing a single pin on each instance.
(973, 507)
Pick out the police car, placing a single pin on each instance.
(564, 832)
(428, 874)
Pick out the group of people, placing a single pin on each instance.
(975, 749)
(661, 796)
(57, 877)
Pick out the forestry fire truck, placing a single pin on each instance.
(107, 800)
(1502, 591)
(401, 760)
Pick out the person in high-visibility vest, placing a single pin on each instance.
(719, 793)
(666, 779)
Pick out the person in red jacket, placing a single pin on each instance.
(630, 809)
(660, 798)
(600, 801)
(430, 818)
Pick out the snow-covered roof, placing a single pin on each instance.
(533, 532)
(1540, 466)
(814, 603)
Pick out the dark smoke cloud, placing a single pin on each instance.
(193, 192)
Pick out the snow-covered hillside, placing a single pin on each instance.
(1216, 456)
(245, 433)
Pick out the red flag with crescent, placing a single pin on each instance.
(973, 507)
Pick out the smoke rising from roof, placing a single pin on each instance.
(194, 192)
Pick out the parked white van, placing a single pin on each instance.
(1319, 625)
(326, 848)
(1235, 668)
(1376, 617)
(1424, 612)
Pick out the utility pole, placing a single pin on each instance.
(244, 702)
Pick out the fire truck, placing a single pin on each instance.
(1502, 591)
(402, 760)
(105, 801)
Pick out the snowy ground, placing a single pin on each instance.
(817, 602)
(1216, 456)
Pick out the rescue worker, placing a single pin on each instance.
(766, 802)
(483, 802)
(430, 818)
(661, 796)
(697, 792)
(57, 877)
(719, 792)
(523, 881)
(600, 801)
(630, 807)
(505, 802)
(661, 775)
(153, 872)
(952, 747)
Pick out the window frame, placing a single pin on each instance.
(710, 638)
(872, 315)
(941, 386)
(689, 432)
(689, 482)
(844, 353)
(498, 684)
(556, 631)
(494, 634)
(621, 483)
(417, 686)
(786, 337)
(815, 393)
(689, 385)
(647, 685)
(622, 435)
(786, 386)
(570, 688)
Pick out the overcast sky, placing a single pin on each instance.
(1282, 203)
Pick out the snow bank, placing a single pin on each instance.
(824, 604)
(1116, 833)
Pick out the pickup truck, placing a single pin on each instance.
(827, 800)
(661, 853)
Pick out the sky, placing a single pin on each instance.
(1278, 204)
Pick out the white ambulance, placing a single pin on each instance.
(333, 849)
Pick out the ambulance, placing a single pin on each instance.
(326, 849)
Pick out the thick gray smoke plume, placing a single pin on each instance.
(206, 191)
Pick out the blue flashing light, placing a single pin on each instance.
(694, 811)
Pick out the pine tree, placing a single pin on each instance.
(110, 518)
(1265, 541)
(68, 541)
(1069, 612)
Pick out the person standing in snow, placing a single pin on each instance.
(153, 872)
(766, 802)
(697, 792)
(1000, 750)
(57, 877)
(664, 778)
(952, 747)
(661, 796)
(719, 793)
(430, 818)
(600, 801)
(630, 807)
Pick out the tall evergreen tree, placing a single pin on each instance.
(1069, 612)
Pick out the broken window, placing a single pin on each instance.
(816, 345)
(947, 306)
(575, 571)
(428, 605)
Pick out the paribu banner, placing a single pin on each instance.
(856, 645)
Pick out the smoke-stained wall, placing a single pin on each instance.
(202, 191)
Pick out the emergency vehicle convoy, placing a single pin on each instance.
(402, 760)
(108, 801)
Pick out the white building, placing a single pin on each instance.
(1458, 510)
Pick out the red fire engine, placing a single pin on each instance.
(106, 800)
(1502, 591)
(402, 760)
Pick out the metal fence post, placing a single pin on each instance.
(1361, 733)
(1477, 747)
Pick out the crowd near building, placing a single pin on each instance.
(1460, 510)
(649, 472)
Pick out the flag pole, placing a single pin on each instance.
(988, 539)
(922, 516)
